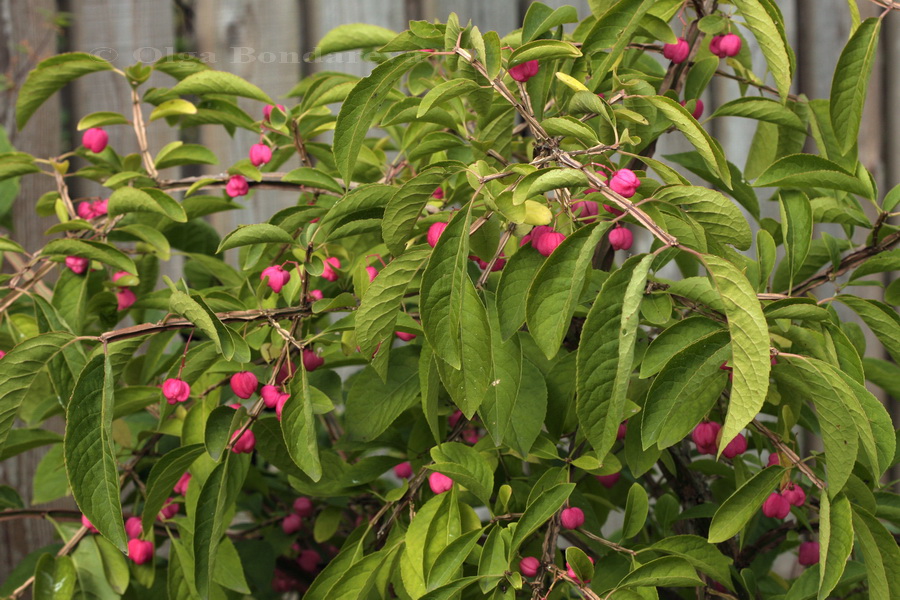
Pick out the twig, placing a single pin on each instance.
(607, 543)
(140, 131)
(785, 450)
(850, 261)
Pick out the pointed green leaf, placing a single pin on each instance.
(163, 477)
(851, 82)
(298, 426)
(260, 233)
(50, 76)
(769, 33)
(405, 207)
(352, 36)
(836, 541)
(98, 251)
(811, 171)
(220, 82)
(737, 509)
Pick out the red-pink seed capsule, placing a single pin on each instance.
(245, 444)
(677, 52)
(547, 242)
(86, 523)
(439, 483)
(571, 518)
(586, 210)
(403, 470)
(292, 523)
(95, 139)
(434, 233)
(140, 551)
(237, 186)
(309, 560)
(773, 460)
(331, 263)
(621, 238)
(624, 182)
(243, 384)
(270, 395)
(311, 360)
(729, 45)
(176, 390)
(525, 71)
(529, 566)
(100, 207)
(735, 447)
(77, 264)
(133, 527)
(706, 433)
(85, 211)
(268, 108)
(438, 193)
(608, 481)
(277, 277)
(794, 494)
(405, 336)
(776, 506)
(260, 154)
(125, 298)
(304, 507)
(808, 554)
(181, 488)
(622, 431)
(698, 108)
(372, 272)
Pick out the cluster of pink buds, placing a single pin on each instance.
(524, 71)
(95, 139)
(237, 186)
(778, 505)
(725, 45)
(276, 277)
(92, 210)
(677, 52)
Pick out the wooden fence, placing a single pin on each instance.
(264, 42)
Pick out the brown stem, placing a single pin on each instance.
(140, 131)
(850, 261)
(786, 451)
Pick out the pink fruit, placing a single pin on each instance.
(372, 273)
(714, 45)
(245, 444)
(529, 566)
(613, 210)
(169, 510)
(100, 207)
(292, 523)
(776, 506)
(735, 447)
(794, 494)
(316, 294)
(331, 263)
(311, 360)
(547, 242)
(303, 506)
(267, 110)
(279, 406)
(438, 193)
(403, 470)
(705, 436)
(622, 431)
(125, 298)
(470, 436)
(85, 211)
(773, 460)
(95, 139)
(434, 232)
(524, 71)
(176, 390)
(243, 384)
(309, 560)
(181, 487)
(439, 483)
(119, 275)
(271, 395)
(277, 277)
(86, 523)
(404, 336)
(586, 210)
(77, 264)
(571, 572)
(677, 52)
(454, 418)
(698, 108)
(140, 551)
(237, 186)
(729, 45)
(621, 238)
(133, 527)
(571, 518)
(260, 154)
(2, 353)
(608, 481)
(624, 182)
(808, 553)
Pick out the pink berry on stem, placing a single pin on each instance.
(609, 481)
(237, 186)
(621, 238)
(586, 210)
(125, 298)
(776, 506)
(140, 551)
(794, 494)
(277, 277)
(773, 460)
(372, 273)
(403, 470)
(95, 139)
(260, 154)
(243, 384)
(622, 431)
(624, 182)
(439, 483)
(316, 294)
(304, 507)
(268, 108)
(735, 447)
(677, 52)
(331, 263)
(729, 45)
(405, 336)
(86, 523)
(133, 527)
(176, 390)
(529, 566)
(311, 360)
(547, 242)
(245, 444)
(808, 553)
(525, 71)
(181, 487)
(434, 232)
(292, 523)
(309, 560)
(571, 518)
(77, 264)
(438, 193)
(705, 436)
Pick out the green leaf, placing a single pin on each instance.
(750, 359)
(761, 109)
(405, 207)
(718, 215)
(540, 18)
(353, 36)
(668, 571)
(797, 229)
(195, 310)
(836, 541)
(434, 526)
(515, 279)
(220, 82)
(98, 251)
(613, 31)
(445, 91)
(637, 507)
(737, 509)
(313, 178)
(229, 572)
(769, 33)
(538, 512)
(580, 563)
(373, 404)
(811, 171)
(50, 76)
(571, 127)
(544, 180)
(133, 200)
(54, 578)
(89, 452)
(24, 439)
(163, 477)
(880, 553)
(361, 107)
(873, 423)
(451, 559)
(101, 119)
(707, 147)
(298, 426)
(172, 108)
(151, 236)
(177, 153)
(8, 245)
(115, 566)
(555, 290)
(671, 341)
(700, 553)
(685, 390)
(260, 233)
(881, 319)
(466, 466)
(606, 353)
(851, 82)
(544, 50)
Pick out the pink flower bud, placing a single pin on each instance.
(267, 110)
(677, 52)
(176, 390)
(808, 553)
(621, 238)
(85, 211)
(729, 45)
(279, 406)
(714, 45)
(404, 336)
(470, 436)
(292, 523)
(181, 487)
(277, 277)
(329, 273)
(309, 560)
(776, 506)
(270, 395)
(547, 242)
(454, 418)
(77, 264)
(304, 507)
(119, 275)
(260, 154)
(622, 431)
(100, 207)
(735, 447)
(571, 518)
(524, 71)
(434, 232)
(403, 470)
(95, 139)
(243, 384)
(586, 210)
(88, 524)
(245, 444)
(529, 566)
(624, 182)
(794, 494)
(773, 460)
(439, 483)
(608, 481)
(571, 572)
(133, 527)
(237, 186)
(311, 360)
(316, 294)
(438, 193)
(372, 272)
(698, 108)
(140, 551)
(125, 298)
(705, 436)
